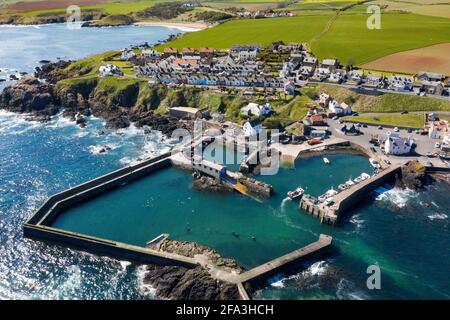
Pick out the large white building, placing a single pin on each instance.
(396, 145)
(109, 70)
(254, 109)
(252, 128)
(335, 107)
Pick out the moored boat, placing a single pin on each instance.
(326, 160)
(374, 163)
(296, 193)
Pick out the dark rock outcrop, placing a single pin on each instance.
(413, 176)
(29, 95)
(180, 283)
(205, 183)
(50, 71)
(119, 106)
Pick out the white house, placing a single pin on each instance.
(254, 109)
(127, 54)
(149, 53)
(324, 99)
(252, 128)
(109, 70)
(397, 146)
(335, 107)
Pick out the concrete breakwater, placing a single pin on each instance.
(345, 200)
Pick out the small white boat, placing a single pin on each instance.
(364, 176)
(374, 163)
(343, 186)
(349, 182)
(296, 193)
(326, 160)
(331, 192)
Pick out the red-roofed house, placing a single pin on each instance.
(169, 52)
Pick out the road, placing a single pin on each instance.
(354, 87)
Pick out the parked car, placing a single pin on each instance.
(387, 161)
(380, 128)
(405, 112)
(364, 125)
(409, 130)
(429, 154)
(396, 129)
(373, 149)
(437, 145)
(335, 118)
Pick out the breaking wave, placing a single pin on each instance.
(397, 197)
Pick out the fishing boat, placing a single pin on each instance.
(296, 193)
(349, 182)
(364, 176)
(374, 163)
(326, 160)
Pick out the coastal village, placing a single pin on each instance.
(286, 67)
(231, 150)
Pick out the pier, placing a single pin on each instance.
(280, 264)
(290, 152)
(346, 199)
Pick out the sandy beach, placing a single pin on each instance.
(181, 25)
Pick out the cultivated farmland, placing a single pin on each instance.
(434, 58)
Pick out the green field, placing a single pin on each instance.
(401, 120)
(399, 32)
(262, 31)
(349, 38)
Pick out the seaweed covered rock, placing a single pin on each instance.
(205, 183)
(413, 176)
(180, 283)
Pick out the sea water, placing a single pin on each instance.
(405, 233)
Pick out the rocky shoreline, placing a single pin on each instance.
(41, 98)
(180, 283)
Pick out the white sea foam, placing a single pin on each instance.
(357, 221)
(397, 197)
(102, 148)
(437, 216)
(316, 269)
(346, 291)
(144, 288)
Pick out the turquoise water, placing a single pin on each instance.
(408, 241)
(166, 202)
